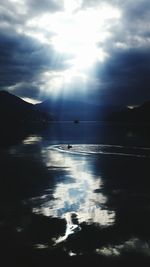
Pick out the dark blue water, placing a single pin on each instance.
(89, 204)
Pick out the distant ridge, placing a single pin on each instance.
(15, 110)
(140, 114)
(76, 109)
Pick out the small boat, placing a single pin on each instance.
(76, 121)
(69, 146)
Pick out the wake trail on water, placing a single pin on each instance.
(104, 149)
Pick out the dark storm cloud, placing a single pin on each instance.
(38, 6)
(125, 77)
(8, 14)
(134, 22)
(24, 10)
(122, 78)
(94, 3)
(17, 14)
(22, 58)
(137, 10)
(134, 26)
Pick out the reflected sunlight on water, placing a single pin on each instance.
(75, 194)
(32, 139)
(133, 244)
(91, 200)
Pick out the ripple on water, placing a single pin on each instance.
(105, 149)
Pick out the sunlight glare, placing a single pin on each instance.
(77, 196)
(72, 5)
(81, 33)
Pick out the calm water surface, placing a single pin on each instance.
(89, 203)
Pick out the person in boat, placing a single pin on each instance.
(69, 146)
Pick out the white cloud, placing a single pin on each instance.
(74, 36)
(132, 245)
(77, 196)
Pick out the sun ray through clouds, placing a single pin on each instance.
(77, 34)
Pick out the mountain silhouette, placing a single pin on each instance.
(135, 114)
(75, 109)
(15, 110)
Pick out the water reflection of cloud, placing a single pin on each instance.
(75, 193)
(132, 245)
(32, 139)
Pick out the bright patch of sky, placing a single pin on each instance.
(49, 47)
(76, 32)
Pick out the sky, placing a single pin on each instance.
(89, 49)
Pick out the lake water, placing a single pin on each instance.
(88, 204)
